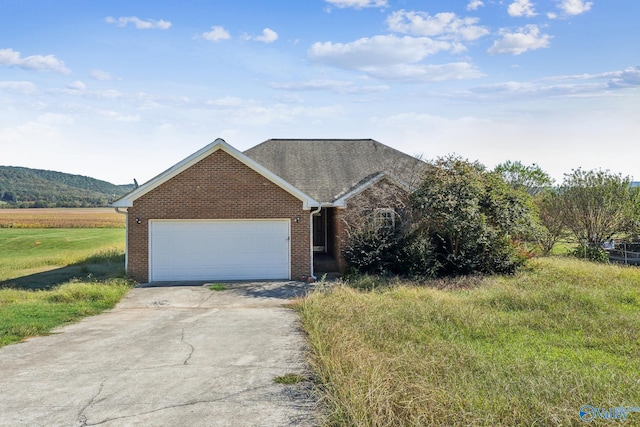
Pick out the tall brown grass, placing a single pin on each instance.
(528, 349)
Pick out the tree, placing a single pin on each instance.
(8, 197)
(551, 220)
(531, 179)
(597, 205)
(469, 215)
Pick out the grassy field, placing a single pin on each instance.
(530, 349)
(43, 257)
(57, 266)
(27, 313)
(61, 218)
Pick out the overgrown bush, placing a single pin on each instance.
(591, 252)
(460, 220)
(374, 252)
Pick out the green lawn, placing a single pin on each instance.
(529, 349)
(50, 277)
(27, 313)
(44, 257)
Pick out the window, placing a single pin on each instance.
(384, 219)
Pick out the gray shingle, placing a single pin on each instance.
(326, 169)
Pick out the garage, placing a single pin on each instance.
(219, 249)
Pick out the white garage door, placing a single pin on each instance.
(218, 250)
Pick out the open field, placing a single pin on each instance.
(61, 218)
(53, 276)
(44, 257)
(529, 349)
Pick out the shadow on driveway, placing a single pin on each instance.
(256, 289)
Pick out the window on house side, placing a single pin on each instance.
(384, 219)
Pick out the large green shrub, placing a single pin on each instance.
(373, 251)
(461, 220)
(592, 252)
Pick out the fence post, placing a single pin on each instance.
(625, 253)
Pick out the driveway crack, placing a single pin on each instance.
(82, 418)
(206, 300)
(186, 361)
(179, 405)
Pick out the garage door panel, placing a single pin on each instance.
(219, 250)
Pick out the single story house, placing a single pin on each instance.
(266, 213)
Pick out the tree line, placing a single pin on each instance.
(24, 187)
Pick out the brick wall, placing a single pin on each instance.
(217, 187)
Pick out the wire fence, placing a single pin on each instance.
(627, 253)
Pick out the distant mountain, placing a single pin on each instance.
(25, 187)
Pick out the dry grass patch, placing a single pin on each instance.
(529, 349)
(61, 218)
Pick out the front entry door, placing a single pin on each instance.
(320, 231)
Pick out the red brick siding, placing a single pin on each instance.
(217, 187)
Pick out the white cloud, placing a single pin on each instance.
(521, 8)
(475, 4)
(393, 58)
(536, 89)
(626, 78)
(12, 58)
(217, 33)
(268, 36)
(251, 112)
(552, 15)
(55, 119)
(581, 85)
(574, 7)
(149, 24)
(118, 117)
(100, 75)
(629, 77)
(357, 4)
(446, 25)
(420, 73)
(77, 85)
(23, 88)
(228, 101)
(525, 39)
(375, 51)
(336, 86)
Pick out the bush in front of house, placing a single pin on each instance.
(462, 219)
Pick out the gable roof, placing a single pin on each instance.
(330, 169)
(219, 144)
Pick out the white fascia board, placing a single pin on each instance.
(219, 144)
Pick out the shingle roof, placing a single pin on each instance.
(327, 169)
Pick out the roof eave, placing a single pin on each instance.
(341, 202)
(219, 144)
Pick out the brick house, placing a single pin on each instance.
(267, 213)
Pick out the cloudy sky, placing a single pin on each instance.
(121, 89)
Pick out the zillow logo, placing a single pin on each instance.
(589, 413)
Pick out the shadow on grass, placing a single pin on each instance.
(100, 266)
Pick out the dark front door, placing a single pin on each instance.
(320, 231)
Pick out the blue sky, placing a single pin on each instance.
(123, 89)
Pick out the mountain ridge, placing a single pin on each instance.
(22, 187)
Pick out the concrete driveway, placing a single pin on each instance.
(166, 356)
